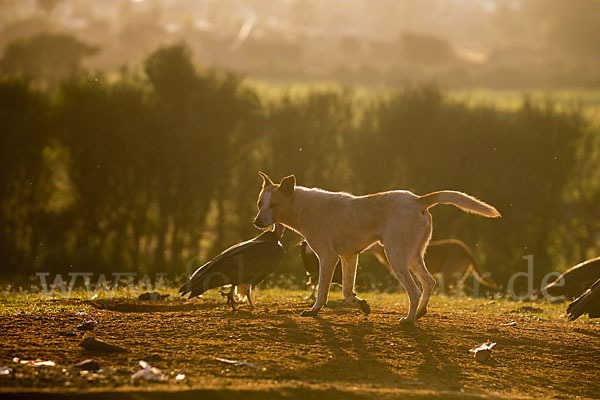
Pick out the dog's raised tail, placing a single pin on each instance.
(461, 200)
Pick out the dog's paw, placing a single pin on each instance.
(364, 307)
(309, 313)
(421, 313)
(406, 322)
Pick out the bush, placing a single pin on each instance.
(147, 172)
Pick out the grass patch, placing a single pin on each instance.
(35, 301)
(586, 100)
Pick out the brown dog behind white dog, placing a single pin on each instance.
(451, 259)
(341, 225)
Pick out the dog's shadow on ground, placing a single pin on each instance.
(437, 364)
(352, 343)
(359, 350)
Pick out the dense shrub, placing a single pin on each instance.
(144, 173)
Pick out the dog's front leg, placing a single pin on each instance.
(327, 262)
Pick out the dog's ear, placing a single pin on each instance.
(287, 185)
(266, 180)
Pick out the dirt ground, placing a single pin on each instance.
(340, 354)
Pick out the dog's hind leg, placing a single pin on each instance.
(427, 283)
(349, 265)
(327, 262)
(418, 267)
(399, 260)
(312, 295)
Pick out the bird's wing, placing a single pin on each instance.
(226, 260)
(264, 259)
(230, 252)
(587, 303)
(242, 263)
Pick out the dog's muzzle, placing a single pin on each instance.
(259, 223)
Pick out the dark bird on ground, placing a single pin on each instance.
(246, 264)
(311, 265)
(587, 303)
(575, 280)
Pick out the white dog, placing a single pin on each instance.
(342, 225)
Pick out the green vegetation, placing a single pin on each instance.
(156, 172)
(587, 101)
(46, 56)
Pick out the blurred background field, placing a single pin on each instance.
(516, 44)
(132, 131)
(586, 101)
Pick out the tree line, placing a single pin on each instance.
(145, 171)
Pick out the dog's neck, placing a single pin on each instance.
(290, 218)
(299, 206)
